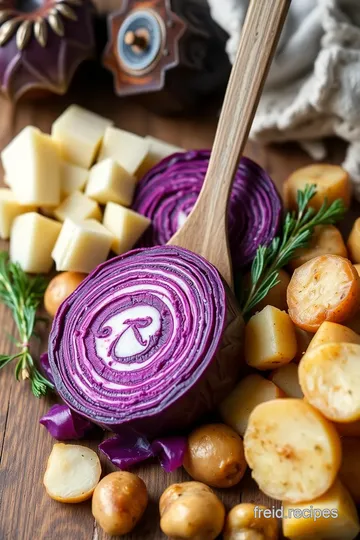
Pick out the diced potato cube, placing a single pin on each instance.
(109, 182)
(125, 225)
(276, 296)
(78, 206)
(353, 243)
(81, 246)
(293, 451)
(350, 470)
(270, 339)
(330, 332)
(79, 133)
(325, 239)
(73, 178)
(287, 379)
(332, 182)
(32, 168)
(333, 515)
(158, 150)
(128, 149)
(252, 390)
(9, 210)
(32, 240)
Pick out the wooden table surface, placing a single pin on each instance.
(26, 512)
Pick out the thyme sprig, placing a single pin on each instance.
(22, 294)
(297, 230)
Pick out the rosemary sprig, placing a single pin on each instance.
(22, 294)
(297, 231)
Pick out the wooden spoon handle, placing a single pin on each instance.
(204, 230)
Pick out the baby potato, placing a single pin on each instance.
(332, 182)
(191, 510)
(326, 239)
(353, 243)
(59, 288)
(276, 296)
(326, 288)
(333, 515)
(350, 471)
(215, 456)
(330, 332)
(72, 473)
(287, 379)
(329, 376)
(249, 392)
(270, 339)
(303, 339)
(246, 521)
(119, 501)
(293, 451)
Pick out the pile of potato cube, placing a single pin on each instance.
(69, 193)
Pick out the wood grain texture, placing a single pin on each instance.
(26, 512)
(205, 230)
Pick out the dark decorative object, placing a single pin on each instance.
(172, 53)
(42, 43)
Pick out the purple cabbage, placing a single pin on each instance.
(150, 340)
(45, 366)
(130, 448)
(170, 451)
(168, 192)
(64, 424)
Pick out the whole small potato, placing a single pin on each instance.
(59, 288)
(215, 456)
(119, 501)
(246, 521)
(191, 511)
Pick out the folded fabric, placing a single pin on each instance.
(313, 88)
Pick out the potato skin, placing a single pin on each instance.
(326, 239)
(59, 288)
(215, 456)
(245, 521)
(353, 243)
(191, 510)
(326, 288)
(119, 502)
(330, 332)
(332, 182)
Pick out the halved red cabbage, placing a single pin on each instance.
(150, 340)
(168, 192)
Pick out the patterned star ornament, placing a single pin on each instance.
(137, 69)
(42, 43)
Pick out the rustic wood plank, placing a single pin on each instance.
(26, 511)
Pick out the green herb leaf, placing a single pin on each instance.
(297, 230)
(22, 294)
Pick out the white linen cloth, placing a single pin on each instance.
(313, 88)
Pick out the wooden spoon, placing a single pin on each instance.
(205, 230)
